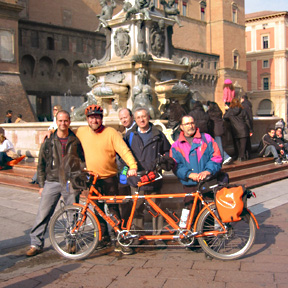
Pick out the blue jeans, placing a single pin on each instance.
(271, 150)
(4, 158)
(49, 198)
(224, 155)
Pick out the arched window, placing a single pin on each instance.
(265, 108)
(235, 55)
(27, 66)
(234, 12)
(203, 10)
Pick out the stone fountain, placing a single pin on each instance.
(137, 68)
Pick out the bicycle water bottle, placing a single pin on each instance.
(123, 175)
(184, 217)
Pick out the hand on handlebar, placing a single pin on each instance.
(199, 176)
(132, 172)
(203, 175)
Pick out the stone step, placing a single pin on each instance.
(254, 162)
(263, 179)
(20, 175)
(252, 173)
(246, 173)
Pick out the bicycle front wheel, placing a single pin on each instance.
(234, 244)
(68, 241)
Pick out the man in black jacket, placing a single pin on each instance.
(269, 146)
(247, 105)
(62, 142)
(146, 142)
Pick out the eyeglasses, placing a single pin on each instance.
(188, 124)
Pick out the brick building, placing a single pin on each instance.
(267, 62)
(54, 36)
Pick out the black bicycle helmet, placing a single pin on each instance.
(93, 110)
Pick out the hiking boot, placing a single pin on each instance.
(33, 250)
(278, 161)
(123, 249)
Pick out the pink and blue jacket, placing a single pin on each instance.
(203, 155)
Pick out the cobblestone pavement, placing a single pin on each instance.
(265, 265)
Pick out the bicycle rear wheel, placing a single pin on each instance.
(233, 245)
(71, 243)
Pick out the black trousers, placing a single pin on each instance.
(108, 187)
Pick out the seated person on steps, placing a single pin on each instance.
(8, 155)
(269, 146)
(282, 143)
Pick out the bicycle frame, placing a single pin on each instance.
(91, 200)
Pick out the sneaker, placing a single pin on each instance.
(71, 248)
(228, 161)
(123, 249)
(278, 161)
(33, 250)
(284, 160)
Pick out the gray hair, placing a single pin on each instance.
(141, 109)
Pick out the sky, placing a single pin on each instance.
(252, 6)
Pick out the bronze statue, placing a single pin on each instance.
(170, 11)
(142, 92)
(140, 6)
(106, 13)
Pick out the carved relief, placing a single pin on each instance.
(122, 42)
(157, 38)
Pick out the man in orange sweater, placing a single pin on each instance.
(100, 145)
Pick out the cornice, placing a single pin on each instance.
(267, 17)
(8, 10)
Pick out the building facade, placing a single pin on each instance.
(12, 94)
(55, 36)
(267, 62)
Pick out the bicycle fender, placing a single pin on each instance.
(254, 218)
(94, 216)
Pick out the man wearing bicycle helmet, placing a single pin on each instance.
(100, 145)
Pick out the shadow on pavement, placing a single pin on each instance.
(47, 277)
(266, 234)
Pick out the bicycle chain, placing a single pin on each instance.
(154, 245)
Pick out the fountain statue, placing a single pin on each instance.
(138, 69)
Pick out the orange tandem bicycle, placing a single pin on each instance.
(77, 225)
